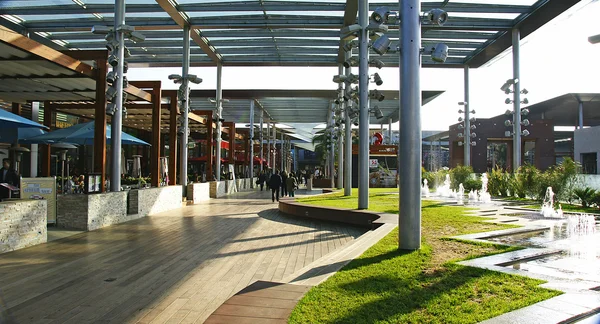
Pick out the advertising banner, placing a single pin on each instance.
(41, 188)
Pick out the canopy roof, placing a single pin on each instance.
(278, 33)
(564, 110)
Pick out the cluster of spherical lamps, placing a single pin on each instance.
(518, 120)
(465, 126)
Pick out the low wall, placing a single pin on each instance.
(197, 192)
(217, 189)
(22, 224)
(321, 183)
(355, 217)
(230, 186)
(158, 200)
(90, 212)
(241, 184)
(589, 180)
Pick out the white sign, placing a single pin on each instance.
(373, 163)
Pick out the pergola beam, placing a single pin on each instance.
(181, 19)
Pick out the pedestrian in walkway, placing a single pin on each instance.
(274, 184)
(291, 184)
(262, 178)
(284, 178)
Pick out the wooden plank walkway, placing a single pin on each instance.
(174, 267)
(262, 302)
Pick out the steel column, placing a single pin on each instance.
(117, 118)
(33, 168)
(348, 136)
(251, 135)
(410, 129)
(516, 38)
(183, 180)
(173, 141)
(340, 143)
(268, 145)
(580, 114)
(156, 138)
(219, 98)
(467, 130)
(389, 131)
(281, 152)
(363, 88)
(99, 165)
(262, 113)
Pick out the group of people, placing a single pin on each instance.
(283, 183)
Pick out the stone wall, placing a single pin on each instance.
(72, 212)
(217, 189)
(157, 200)
(197, 192)
(22, 224)
(107, 209)
(230, 186)
(90, 212)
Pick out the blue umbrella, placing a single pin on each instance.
(81, 134)
(15, 135)
(10, 120)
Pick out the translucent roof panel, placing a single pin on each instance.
(272, 32)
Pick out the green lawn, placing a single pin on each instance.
(386, 285)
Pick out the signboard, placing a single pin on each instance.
(41, 188)
(373, 163)
(93, 182)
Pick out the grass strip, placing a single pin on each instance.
(385, 285)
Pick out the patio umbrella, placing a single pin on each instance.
(10, 120)
(81, 134)
(15, 135)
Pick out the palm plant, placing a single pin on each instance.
(585, 195)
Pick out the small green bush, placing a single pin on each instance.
(585, 195)
(526, 181)
(459, 175)
(472, 184)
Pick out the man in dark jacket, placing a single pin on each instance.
(274, 183)
(8, 175)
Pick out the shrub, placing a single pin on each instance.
(438, 178)
(562, 178)
(430, 176)
(526, 181)
(472, 184)
(459, 175)
(495, 182)
(585, 195)
(596, 199)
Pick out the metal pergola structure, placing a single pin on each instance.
(301, 33)
(269, 33)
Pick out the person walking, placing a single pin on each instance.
(291, 184)
(284, 178)
(262, 178)
(274, 184)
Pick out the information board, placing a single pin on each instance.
(41, 188)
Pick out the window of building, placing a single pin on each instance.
(529, 153)
(497, 155)
(589, 163)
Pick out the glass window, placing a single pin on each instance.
(589, 163)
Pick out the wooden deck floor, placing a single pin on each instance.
(175, 267)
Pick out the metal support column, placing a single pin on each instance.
(389, 140)
(516, 38)
(348, 136)
(340, 143)
(183, 180)
(467, 130)
(410, 130)
(262, 113)
(35, 113)
(274, 154)
(251, 135)
(219, 99)
(117, 118)
(363, 88)
(580, 116)
(282, 152)
(331, 160)
(268, 145)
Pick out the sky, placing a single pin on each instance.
(556, 59)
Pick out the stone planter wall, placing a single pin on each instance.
(157, 200)
(230, 187)
(217, 189)
(197, 192)
(22, 224)
(90, 212)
